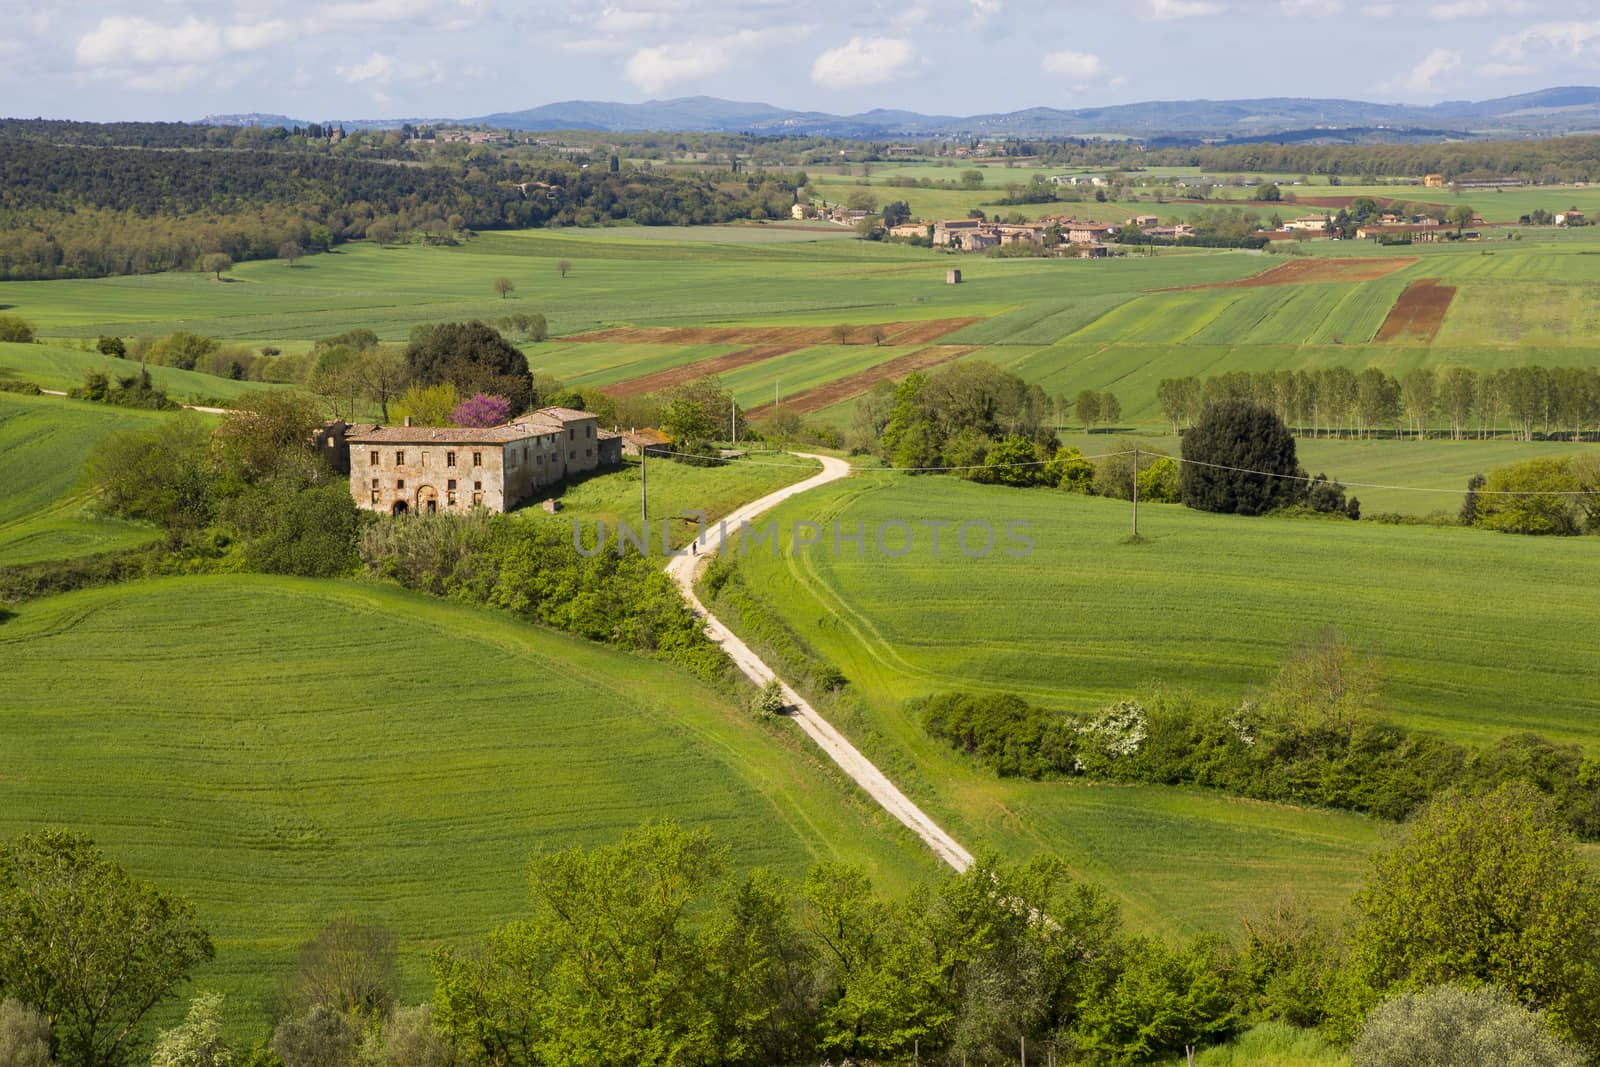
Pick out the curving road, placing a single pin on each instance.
(682, 569)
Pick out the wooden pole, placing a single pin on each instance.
(1136, 490)
(644, 510)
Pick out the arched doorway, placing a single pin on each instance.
(427, 500)
(399, 508)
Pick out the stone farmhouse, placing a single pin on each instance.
(398, 469)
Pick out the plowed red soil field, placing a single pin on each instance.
(1419, 312)
(1310, 271)
(895, 333)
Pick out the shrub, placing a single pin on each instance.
(1543, 512)
(24, 1036)
(1070, 470)
(111, 346)
(770, 701)
(1480, 1027)
(1240, 459)
(15, 329)
(480, 410)
(161, 475)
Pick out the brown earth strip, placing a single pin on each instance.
(1419, 312)
(920, 332)
(666, 379)
(1310, 271)
(854, 385)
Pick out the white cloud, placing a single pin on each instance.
(1310, 8)
(984, 10)
(1573, 38)
(1075, 66)
(1477, 9)
(1168, 10)
(861, 62)
(248, 37)
(653, 69)
(377, 68)
(119, 39)
(1424, 77)
(1379, 11)
(624, 20)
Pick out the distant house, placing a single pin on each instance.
(1093, 251)
(1417, 232)
(1171, 233)
(802, 211)
(1088, 233)
(399, 469)
(1141, 221)
(909, 229)
(1433, 181)
(1570, 218)
(1316, 223)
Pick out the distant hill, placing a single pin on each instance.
(1547, 112)
(253, 118)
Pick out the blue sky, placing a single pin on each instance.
(181, 59)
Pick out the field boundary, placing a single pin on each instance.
(1309, 272)
(853, 385)
(1418, 314)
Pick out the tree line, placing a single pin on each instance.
(1475, 927)
(1531, 401)
(1546, 160)
(1313, 735)
(69, 211)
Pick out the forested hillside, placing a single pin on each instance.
(77, 212)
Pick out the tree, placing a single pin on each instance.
(473, 357)
(15, 330)
(1268, 192)
(1087, 407)
(876, 334)
(504, 286)
(1418, 395)
(217, 264)
(1458, 394)
(428, 405)
(479, 410)
(290, 251)
(24, 1036)
(1537, 496)
(563, 267)
(197, 1042)
(1480, 1027)
(163, 475)
(321, 1038)
(1239, 458)
(1179, 399)
(383, 373)
(1461, 216)
(840, 332)
(1161, 1002)
(1484, 889)
(350, 966)
(266, 433)
(1377, 399)
(381, 231)
(1325, 684)
(1110, 408)
(111, 346)
(91, 947)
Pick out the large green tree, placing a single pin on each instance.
(90, 946)
(473, 357)
(1484, 889)
(1239, 458)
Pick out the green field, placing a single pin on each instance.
(1475, 631)
(281, 751)
(54, 366)
(45, 441)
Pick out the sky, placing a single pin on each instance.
(328, 59)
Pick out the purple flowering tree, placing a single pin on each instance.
(481, 410)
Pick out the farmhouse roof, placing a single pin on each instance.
(565, 414)
(646, 436)
(453, 435)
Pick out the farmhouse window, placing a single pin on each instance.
(449, 459)
(477, 459)
(373, 458)
(477, 486)
(424, 459)
(399, 458)
(591, 431)
(450, 484)
(374, 483)
(450, 498)
(477, 500)
(330, 442)
(572, 435)
(374, 496)
(400, 483)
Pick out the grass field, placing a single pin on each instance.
(45, 441)
(1466, 621)
(280, 751)
(54, 366)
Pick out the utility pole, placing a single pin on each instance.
(733, 420)
(1136, 490)
(644, 510)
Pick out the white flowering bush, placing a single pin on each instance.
(1118, 730)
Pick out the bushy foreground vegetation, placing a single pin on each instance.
(652, 950)
(1314, 736)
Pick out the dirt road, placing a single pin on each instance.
(837, 747)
